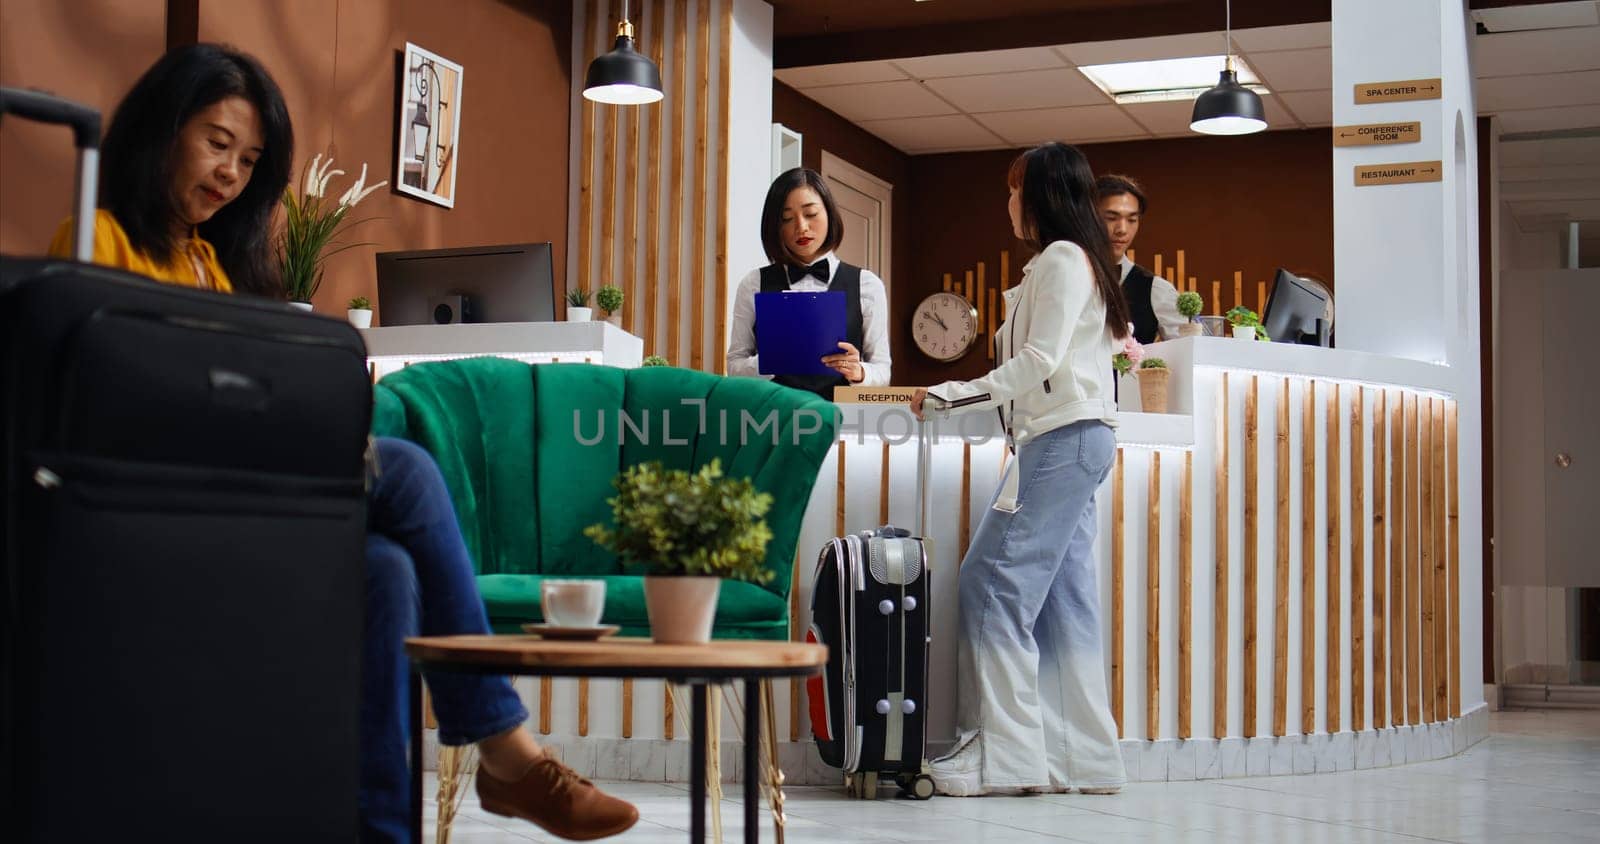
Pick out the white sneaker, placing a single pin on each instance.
(959, 773)
(1105, 789)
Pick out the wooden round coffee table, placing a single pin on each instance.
(722, 661)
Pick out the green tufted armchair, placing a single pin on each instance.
(529, 451)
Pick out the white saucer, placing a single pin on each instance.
(580, 634)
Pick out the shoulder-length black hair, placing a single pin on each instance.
(772, 213)
(136, 173)
(1058, 203)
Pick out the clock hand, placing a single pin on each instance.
(940, 320)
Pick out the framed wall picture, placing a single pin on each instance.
(430, 127)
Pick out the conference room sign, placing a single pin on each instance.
(1377, 134)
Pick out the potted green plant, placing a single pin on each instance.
(609, 298)
(690, 530)
(654, 360)
(578, 309)
(310, 225)
(1189, 306)
(1153, 376)
(1246, 324)
(359, 312)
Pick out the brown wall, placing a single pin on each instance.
(1251, 203)
(337, 65)
(823, 129)
(89, 51)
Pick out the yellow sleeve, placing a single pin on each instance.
(111, 246)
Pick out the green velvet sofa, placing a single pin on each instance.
(529, 452)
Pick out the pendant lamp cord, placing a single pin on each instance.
(1227, 33)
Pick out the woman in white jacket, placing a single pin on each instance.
(1032, 712)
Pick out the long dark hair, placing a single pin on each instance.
(772, 213)
(137, 168)
(1058, 203)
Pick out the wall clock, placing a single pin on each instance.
(944, 326)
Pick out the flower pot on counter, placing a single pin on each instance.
(579, 314)
(304, 306)
(1244, 332)
(1153, 390)
(359, 317)
(1191, 329)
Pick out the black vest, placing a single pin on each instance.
(1136, 289)
(847, 280)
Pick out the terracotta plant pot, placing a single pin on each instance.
(1153, 390)
(681, 608)
(1191, 329)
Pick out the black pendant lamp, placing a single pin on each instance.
(623, 76)
(1229, 108)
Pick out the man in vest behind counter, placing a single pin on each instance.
(1153, 301)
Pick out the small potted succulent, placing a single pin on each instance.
(1246, 324)
(1153, 376)
(690, 531)
(578, 309)
(1189, 306)
(609, 298)
(359, 312)
(655, 360)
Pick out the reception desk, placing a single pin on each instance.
(1279, 568)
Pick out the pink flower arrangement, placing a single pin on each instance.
(1130, 356)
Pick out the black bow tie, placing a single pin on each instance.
(819, 269)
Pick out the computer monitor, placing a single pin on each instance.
(510, 283)
(1298, 312)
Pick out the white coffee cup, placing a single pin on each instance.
(573, 603)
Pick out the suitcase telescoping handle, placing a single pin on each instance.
(85, 123)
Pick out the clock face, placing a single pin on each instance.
(944, 326)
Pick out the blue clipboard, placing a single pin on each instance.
(795, 330)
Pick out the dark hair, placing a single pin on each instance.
(1058, 203)
(1113, 184)
(772, 213)
(137, 161)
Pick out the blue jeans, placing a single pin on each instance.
(1030, 665)
(419, 580)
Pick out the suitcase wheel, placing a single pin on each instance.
(918, 787)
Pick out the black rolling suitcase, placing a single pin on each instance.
(183, 504)
(870, 606)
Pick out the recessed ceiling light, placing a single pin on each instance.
(1166, 80)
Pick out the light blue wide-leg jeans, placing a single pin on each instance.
(1032, 685)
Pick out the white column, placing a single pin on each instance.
(749, 134)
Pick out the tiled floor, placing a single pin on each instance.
(1536, 778)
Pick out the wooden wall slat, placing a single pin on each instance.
(838, 505)
(1413, 601)
(546, 692)
(631, 120)
(1251, 539)
(1334, 567)
(1453, 536)
(1117, 539)
(678, 130)
(1398, 699)
(1185, 594)
(1441, 572)
(719, 275)
(586, 163)
(608, 186)
(652, 257)
(883, 487)
(1219, 621)
(1380, 560)
(1308, 559)
(698, 199)
(796, 687)
(1152, 600)
(1425, 565)
(1358, 561)
(964, 530)
(583, 706)
(1280, 605)
(627, 707)
(668, 711)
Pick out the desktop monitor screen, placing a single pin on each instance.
(1298, 312)
(510, 283)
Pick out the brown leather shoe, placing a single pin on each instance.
(553, 796)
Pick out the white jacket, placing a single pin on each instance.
(1054, 351)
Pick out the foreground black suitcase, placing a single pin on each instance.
(870, 606)
(184, 516)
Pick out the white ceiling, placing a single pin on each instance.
(1536, 80)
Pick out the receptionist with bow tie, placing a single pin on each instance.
(800, 229)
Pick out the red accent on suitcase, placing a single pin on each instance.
(817, 694)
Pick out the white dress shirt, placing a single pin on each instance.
(875, 361)
(1163, 300)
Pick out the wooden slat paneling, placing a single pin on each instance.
(1398, 699)
(1441, 572)
(1251, 539)
(719, 276)
(583, 706)
(627, 707)
(1380, 561)
(1358, 561)
(1453, 536)
(668, 711)
(1185, 593)
(679, 200)
(1280, 604)
(631, 121)
(838, 496)
(1413, 603)
(883, 486)
(652, 257)
(1335, 570)
(796, 634)
(1425, 566)
(964, 530)
(1308, 559)
(586, 162)
(699, 188)
(608, 116)
(1219, 620)
(546, 692)
(1152, 600)
(1117, 548)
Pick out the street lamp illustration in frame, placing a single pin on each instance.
(430, 127)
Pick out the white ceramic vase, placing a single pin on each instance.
(359, 317)
(681, 608)
(304, 306)
(579, 314)
(1244, 332)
